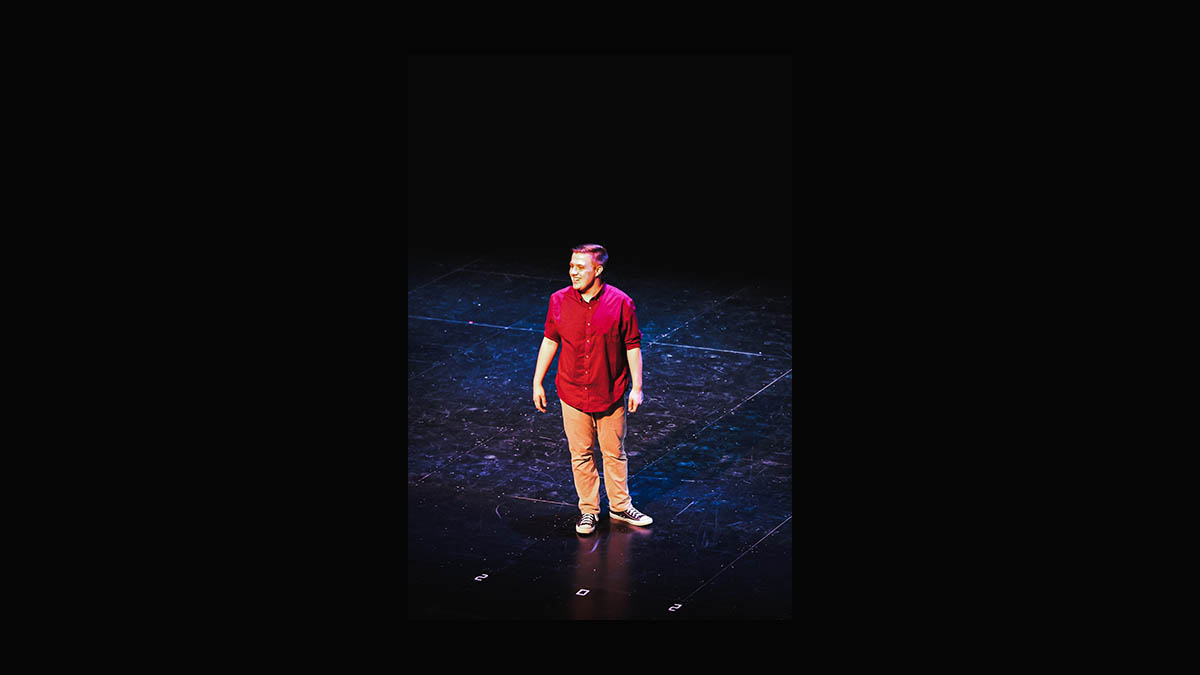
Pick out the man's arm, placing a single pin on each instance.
(634, 356)
(545, 357)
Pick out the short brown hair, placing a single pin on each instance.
(598, 252)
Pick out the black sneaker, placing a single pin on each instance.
(632, 516)
(587, 523)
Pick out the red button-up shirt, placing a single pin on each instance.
(593, 371)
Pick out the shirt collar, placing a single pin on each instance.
(603, 287)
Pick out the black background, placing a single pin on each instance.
(657, 156)
(278, 354)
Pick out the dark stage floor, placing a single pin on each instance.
(491, 502)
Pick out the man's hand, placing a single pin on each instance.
(634, 358)
(539, 397)
(635, 399)
(545, 356)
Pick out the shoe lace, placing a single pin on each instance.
(587, 519)
(634, 512)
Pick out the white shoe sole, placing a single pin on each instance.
(639, 523)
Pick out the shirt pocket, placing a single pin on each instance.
(612, 334)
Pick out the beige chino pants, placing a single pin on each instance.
(584, 430)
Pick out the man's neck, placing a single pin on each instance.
(592, 291)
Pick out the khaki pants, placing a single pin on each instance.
(583, 432)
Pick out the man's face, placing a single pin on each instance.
(583, 270)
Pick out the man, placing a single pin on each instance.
(597, 326)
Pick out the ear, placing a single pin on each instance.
(599, 270)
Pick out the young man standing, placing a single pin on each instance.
(596, 325)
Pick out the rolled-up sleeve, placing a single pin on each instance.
(551, 331)
(629, 322)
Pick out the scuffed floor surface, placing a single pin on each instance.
(491, 502)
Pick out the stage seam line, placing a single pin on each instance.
(443, 464)
(702, 313)
(789, 370)
(682, 510)
(713, 349)
(447, 274)
(540, 330)
(530, 416)
(512, 274)
(476, 323)
(722, 571)
(464, 349)
(680, 445)
(531, 499)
